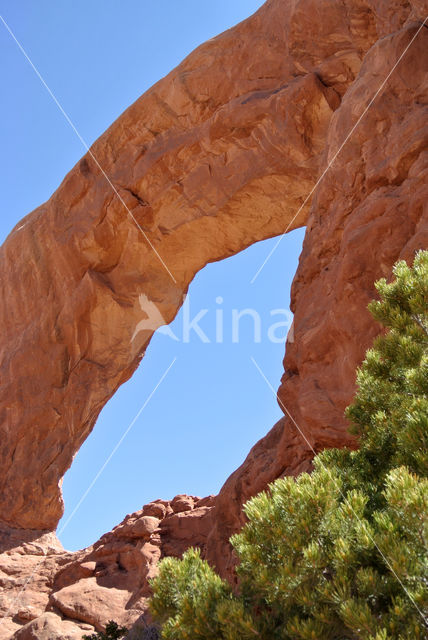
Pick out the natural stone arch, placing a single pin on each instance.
(219, 154)
(202, 160)
(78, 256)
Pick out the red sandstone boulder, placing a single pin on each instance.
(49, 626)
(140, 527)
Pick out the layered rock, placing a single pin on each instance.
(28, 562)
(206, 162)
(47, 591)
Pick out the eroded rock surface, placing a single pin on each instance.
(369, 211)
(49, 626)
(47, 590)
(207, 162)
(217, 155)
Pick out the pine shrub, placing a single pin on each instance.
(113, 632)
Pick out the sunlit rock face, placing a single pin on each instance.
(221, 153)
(369, 211)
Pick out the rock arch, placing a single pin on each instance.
(217, 155)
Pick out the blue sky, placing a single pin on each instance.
(98, 57)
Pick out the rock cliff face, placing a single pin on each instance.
(369, 210)
(221, 153)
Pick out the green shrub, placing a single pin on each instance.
(341, 552)
(140, 631)
(112, 632)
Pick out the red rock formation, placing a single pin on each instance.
(51, 627)
(368, 211)
(107, 580)
(207, 163)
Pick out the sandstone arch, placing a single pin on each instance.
(202, 161)
(219, 154)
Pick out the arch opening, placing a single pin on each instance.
(209, 410)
